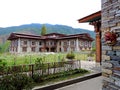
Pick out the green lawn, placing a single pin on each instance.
(11, 59)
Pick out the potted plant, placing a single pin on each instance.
(70, 56)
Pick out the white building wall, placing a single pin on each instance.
(77, 45)
(19, 48)
(62, 49)
(37, 46)
(29, 46)
(68, 48)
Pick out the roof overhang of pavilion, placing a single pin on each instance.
(91, 18)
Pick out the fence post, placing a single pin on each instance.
(54, 68)
(32, 70)
(79, 64)
(64, 65)
(48, 68)
(42, 68)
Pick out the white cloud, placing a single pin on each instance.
(66, 12)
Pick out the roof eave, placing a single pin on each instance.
(91, 17)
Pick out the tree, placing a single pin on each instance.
(4, 47)
(43, 30)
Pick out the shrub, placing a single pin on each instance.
(37, 78)
(15, 82)
(40, 64)
(2, 66)
(70, 55)
(41, 78)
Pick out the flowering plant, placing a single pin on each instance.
(110, 38)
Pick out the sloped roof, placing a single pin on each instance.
(59, 34)
(20, 35)
(84, 36)
(90, 18)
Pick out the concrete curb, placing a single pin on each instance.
(68, 82)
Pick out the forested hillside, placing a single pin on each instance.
(36, 29)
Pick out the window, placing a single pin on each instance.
(51, 43)
(54, 43)
(85, 43)
(33, 43)
(60, 43)
(89, 44)
(33, 49)
(40, 43)
(72, 43)
(65, 43)
(47, 43)
(24, 49)
(81, 43)
(24, 42)
(40, 49)
(65, 49)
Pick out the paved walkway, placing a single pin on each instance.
(91, 65)
(91, 84)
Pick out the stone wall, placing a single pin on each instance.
(111, 54)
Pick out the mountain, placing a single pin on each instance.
(35, 28)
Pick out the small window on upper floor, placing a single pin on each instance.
(60, 43)
(33, 43)
(51, 43)
(25, 42)
(72, 43)
(40, 43)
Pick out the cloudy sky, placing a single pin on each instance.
(65, 12)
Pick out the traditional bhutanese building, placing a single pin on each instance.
(53, 42)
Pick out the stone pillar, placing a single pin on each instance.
(111, 54)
